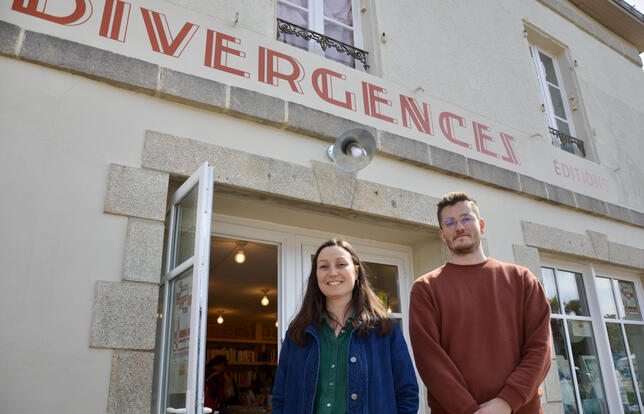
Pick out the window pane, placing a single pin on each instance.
(549, 67)
(571, 293)
(186, 221)
(302, 3)
(606, 298)
(557, 102)
(384, 280)
(339, 10)
(589, 379)
(178, 340)
(563, 127)
(622, 368)
(343, 35)
(635, 338)
(551, 289)
(295, 16)
(563, 364)
(628, 306)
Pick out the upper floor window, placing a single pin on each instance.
(554, 102)
(326, 27)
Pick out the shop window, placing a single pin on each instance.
(326, 27)
(574, 345)
(619, 304)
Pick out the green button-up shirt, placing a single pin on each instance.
(331, 390)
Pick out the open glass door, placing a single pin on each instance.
(183, 298)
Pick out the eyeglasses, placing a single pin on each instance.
(466, 221)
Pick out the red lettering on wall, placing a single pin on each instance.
(583, 177)
(409, 110)
(37, 8)
(480, 138)
(270, 71)
(372, 100)
(445, 122)
(322, 80)
(161, 39)
(217, 52)
(115, 20)
(511, 155)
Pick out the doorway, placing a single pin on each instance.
(242, 328)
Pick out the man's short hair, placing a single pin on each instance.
(450, 199)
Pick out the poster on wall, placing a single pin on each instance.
(629, 300)
(180, 336)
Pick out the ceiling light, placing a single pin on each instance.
(389, 309)
(265, 300)
(240, 257)
(276, 324)
(220, 319)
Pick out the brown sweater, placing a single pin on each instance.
(479, 332)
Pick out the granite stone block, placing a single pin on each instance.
(9, 35)
(533, 186)
(527, 256)
(90, 61)
(554, 239)
(124, 315)
(404, 148)
(626, 255)
(591, 204)
(393, 202)
(257, 106)
(638, 218)
(320, 124)
(619, 213)
(494, 175)
(552, 385)
(447, 161)
(555, 407)
(293, 181)
(192, 90)
(600, 244)
(143, 250)
(560, 195)
(336, 188)
(131, 377)
(178, 156)
(136, 192)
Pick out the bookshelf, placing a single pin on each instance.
(245, 347)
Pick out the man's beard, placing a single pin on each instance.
(463, 250)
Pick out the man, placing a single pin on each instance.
(479, 328)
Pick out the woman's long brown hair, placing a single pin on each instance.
(368, 308)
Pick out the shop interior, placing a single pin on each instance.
(242, 324)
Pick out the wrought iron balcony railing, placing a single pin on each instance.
(324, 41)
(567, 143)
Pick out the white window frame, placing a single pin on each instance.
(545, 90)
(619, 274)
(588, 272)
(315, 13)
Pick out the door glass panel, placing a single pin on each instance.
(339, 10)
(563, 364)
(549, 68)
(185, 227)
(563, 126)
(178, 339)
(342, 34)
(571, 291)
(551, 289)
(589, 379)
(384, 280)
(635, 338)
(628, 305)
(622, 368)
(606, 298)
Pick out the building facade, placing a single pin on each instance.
(112, 112)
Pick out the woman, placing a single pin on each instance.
(342, 353)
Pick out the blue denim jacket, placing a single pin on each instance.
(380, 375)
